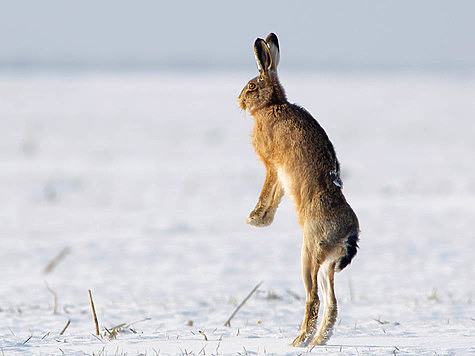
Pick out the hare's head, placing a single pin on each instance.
(265, 89)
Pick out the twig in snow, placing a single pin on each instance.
(271, 295)
(45, 335)
(115, 330)
(65, 327)
(55, 298)
(228, 322)
(203, 334)
(98, 338)
(434, 296)
(184, 353)
(293, 294)
(94, 313)
(137, 321)
(55, 261)
(382, 322)
(203, 350)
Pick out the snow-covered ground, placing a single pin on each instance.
(147, 180)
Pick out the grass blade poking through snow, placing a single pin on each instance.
(228, 322)
(55, 296)
(65, 327)
(55, 261)
(94, 313)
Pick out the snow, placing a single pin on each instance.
(148, 178)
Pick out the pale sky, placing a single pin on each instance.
(221, 33)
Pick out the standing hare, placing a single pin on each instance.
(300, 160)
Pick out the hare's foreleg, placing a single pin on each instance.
(326, 281)
(271, 194)
(310, 272)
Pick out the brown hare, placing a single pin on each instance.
(300, 160)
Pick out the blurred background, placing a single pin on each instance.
(316, 35)
(122, 145)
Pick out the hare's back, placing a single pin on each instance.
(307, 138)
(307, 122)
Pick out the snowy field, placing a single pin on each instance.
(147, 179)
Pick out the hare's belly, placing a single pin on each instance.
(286, 181)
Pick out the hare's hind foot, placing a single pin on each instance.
(321, 339)
(325, 331)
(303, 340)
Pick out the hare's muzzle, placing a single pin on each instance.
(241, 100)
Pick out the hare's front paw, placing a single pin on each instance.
(261, 217)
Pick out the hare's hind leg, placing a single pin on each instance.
(326, 281)
(310, 272)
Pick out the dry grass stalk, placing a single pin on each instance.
(55, 298)
(45, 335)
(65, 327)
(228, 322)
(115, 330)
(434, 296)
(55, 261)
(203, 334)
(203, 350)
(138, 321)
(382, 322)
(293, 294)
(94, 313)
(98, 338)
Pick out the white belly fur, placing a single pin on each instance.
(285, 180)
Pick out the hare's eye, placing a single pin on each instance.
(251, 86)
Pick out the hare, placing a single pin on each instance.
(300, 161)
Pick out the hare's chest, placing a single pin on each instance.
(263, 142)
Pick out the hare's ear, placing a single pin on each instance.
(273, 44)
(263, 57)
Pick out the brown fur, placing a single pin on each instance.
(299, 158)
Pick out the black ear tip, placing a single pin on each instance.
(272, 38)
(258, 41)
(262, 54)
(259, 44)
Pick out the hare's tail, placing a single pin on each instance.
(351, 244)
